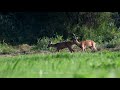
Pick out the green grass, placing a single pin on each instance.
(61, 65)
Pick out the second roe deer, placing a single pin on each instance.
(61, 45)
(84, 44)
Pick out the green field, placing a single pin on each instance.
(61, 65)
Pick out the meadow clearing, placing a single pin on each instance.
(103, 64)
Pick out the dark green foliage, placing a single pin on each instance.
(43, 42)
(28, 27)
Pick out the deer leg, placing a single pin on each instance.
(83, 48)
(70, 49)
(91, 48)
(57, 50)
(95, 48)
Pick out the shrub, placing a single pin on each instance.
(115, 42)
(43, 42)
(24, 48)
(6, 49)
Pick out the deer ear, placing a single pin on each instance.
(76, 37)
(50, 42)
(73, 34)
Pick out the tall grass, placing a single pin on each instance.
(62, 65)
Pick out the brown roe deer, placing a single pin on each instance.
(84, 44)
(61, 45)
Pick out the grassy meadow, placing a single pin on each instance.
(103, 64)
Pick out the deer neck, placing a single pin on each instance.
(53, 45)
(77, 42)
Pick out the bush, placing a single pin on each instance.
(115, 42)
(6, 49)
(104, 33)
(24, 48)
(43, 42)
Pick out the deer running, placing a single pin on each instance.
(61, 45)
(84, 44)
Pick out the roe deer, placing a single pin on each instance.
(62, 45)
(84, 44)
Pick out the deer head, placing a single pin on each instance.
(49, 44)
(74, 38)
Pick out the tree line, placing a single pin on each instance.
(27, 27)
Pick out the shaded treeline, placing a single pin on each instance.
(27, 27)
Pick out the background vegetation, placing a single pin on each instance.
(30, 32)
(27, 27)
